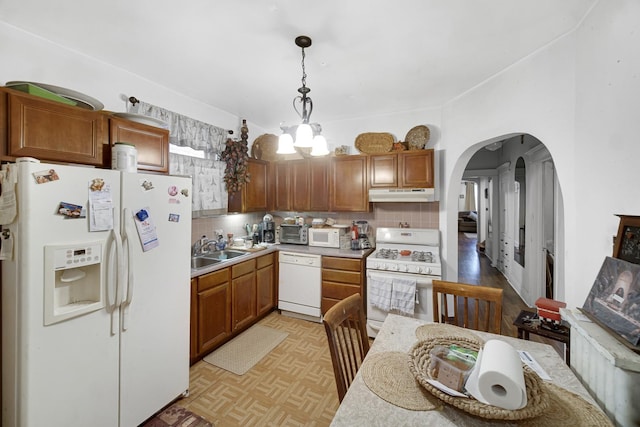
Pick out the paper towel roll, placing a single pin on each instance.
(497, 378)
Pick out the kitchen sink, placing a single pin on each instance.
(224, 254)
(210, 258)
(201, 262)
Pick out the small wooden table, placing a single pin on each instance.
(527, 323)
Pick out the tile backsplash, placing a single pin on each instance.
(417, 215)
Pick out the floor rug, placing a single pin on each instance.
(245, 350)
(176, 416)
(471, 235)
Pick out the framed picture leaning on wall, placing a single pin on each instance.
(627, 243)
(614, 300)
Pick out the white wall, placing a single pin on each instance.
(579, 97)
(29, 58)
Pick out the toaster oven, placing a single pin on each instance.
(294, 234)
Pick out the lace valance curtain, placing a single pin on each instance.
(185, 131)
(207, 175)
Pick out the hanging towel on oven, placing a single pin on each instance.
(379, 289)
(403, 295)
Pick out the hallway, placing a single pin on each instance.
(475, 268)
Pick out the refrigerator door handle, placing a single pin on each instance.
(130, 277)
(114, 302)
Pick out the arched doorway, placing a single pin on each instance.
(518, 204)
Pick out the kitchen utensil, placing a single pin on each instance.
(82, 100)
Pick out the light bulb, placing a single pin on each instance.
(304, 136)
(285, 144)
(319, 146)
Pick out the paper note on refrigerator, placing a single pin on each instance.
(100, 208)
(146, 229)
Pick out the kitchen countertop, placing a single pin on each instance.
(304, 249)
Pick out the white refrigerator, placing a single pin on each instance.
(95, 296)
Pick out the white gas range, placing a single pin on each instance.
(406, 259)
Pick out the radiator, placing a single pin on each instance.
(607, 368)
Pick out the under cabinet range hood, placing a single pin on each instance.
(402, 195)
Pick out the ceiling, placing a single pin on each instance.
(369, 57)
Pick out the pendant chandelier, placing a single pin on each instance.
(306, 135)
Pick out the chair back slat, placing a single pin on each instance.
(481, 304)
(345, 325)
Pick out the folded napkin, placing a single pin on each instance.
(379, 290)
(403, 295)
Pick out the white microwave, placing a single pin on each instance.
(334, 237)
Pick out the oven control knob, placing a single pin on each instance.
(420, 270)
(406, 268)
(428, 271)
(384, 267)
(394, 267)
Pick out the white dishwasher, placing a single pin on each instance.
(299, 289)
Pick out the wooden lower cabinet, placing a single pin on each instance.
(243, 294)
(341, 277)
(266, 283)
(210, 311)
(227, 301)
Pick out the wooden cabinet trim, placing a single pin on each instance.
(243, 268)
(351, 264)
(265, 260)
(212, 279)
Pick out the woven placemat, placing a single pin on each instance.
(435, 330)
(537, 397)
(567, 409)
(387, 374)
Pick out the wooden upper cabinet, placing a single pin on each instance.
(152, 143)
(349, 184)
(415, 169)
(49, 130)
(281, 186)
(254, 195)
(383, 170)
(299, 174)
(407, 169)
(319, 184)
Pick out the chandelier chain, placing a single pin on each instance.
(304, 71)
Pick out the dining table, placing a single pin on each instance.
(393, 404)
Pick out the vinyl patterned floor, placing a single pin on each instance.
(294, 384)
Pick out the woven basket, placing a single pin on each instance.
(537, 398)
(264, 148)
(374, 142)
(417, 137)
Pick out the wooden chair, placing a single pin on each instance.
(483, 314)
(346, 329)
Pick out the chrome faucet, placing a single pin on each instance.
(201, 246)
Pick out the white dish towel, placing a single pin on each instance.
(379, 290)
(403, 295)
